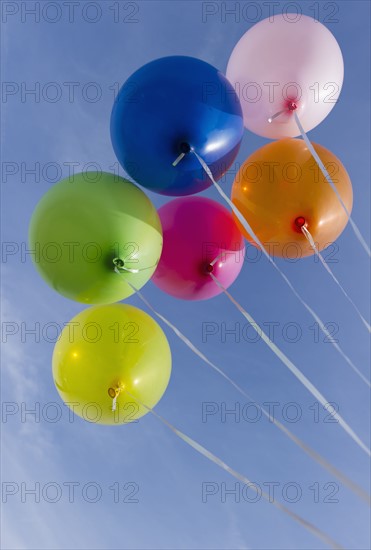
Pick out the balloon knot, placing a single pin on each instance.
(114, 393)
(292, 106)
(299, 222)
(185, 147)
(117, 262)
(209, 268)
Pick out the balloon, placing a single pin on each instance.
(196, 232)
(280, 188)
(286, 64)
(83, 225)
(167, 107)
(106, 351)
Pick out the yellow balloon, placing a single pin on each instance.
(108, 361)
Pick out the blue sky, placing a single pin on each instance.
(169, 475)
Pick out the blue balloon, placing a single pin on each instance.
(171, 106)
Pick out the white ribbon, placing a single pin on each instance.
(316, 157)
(295, 371)
(300, 443)
(249, 230)
(310, 239)
(243, 479)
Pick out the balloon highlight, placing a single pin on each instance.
(105, 351)
(200, 237)
(84, 227)
(280, 189)
(280, 66)
(164, 110)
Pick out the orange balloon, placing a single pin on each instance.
(280, 188)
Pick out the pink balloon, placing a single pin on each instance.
(285, 63)
(196, 232)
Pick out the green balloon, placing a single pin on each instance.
(86, 226)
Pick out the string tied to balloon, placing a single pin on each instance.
(292, 367)
(299, 223)
(310, 527)
(296, 440)
(304, 229)
(251, 232)
(185, 148)
(120, 267)
(114, 393)
(290, 107)
(209, 267)
(330, 181)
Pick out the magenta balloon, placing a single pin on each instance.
(196, 231)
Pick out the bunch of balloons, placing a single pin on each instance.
(168, 115)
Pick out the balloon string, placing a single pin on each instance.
(249, 230)
(120, 266)
(130, 270)
(114, 393)
(271, 119)
(315, 155)
(243, 479)
(301, 444)
(179, 158)
(295, 371)
(217, 258)
(310, 239)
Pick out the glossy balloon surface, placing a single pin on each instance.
(170, 102)
(81, 225)
(280, 186)
(282, 60)
(109, 349)
(198, 231)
